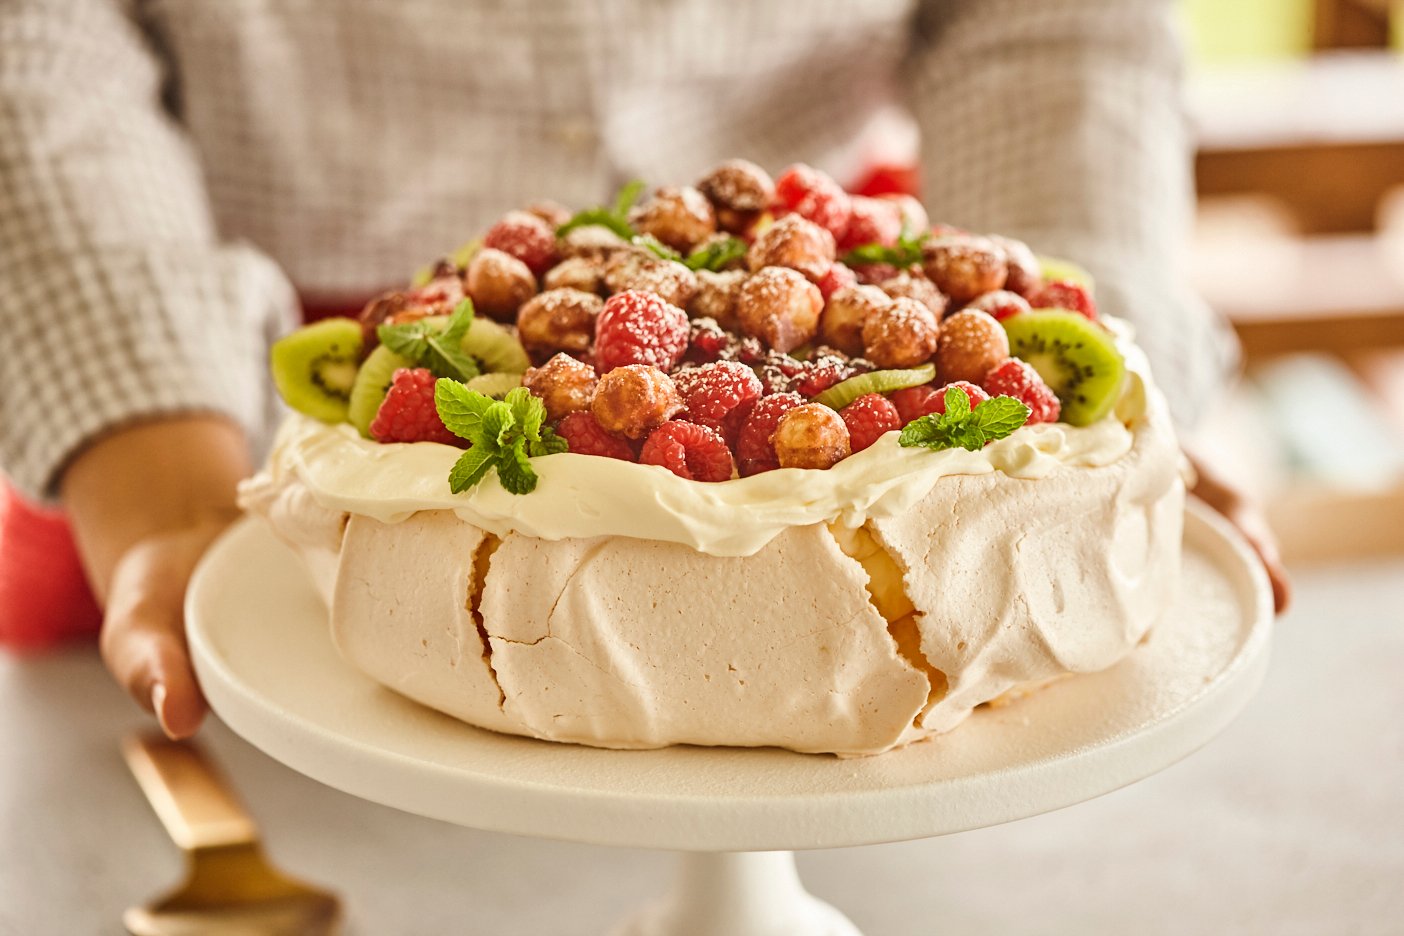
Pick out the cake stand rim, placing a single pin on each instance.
(703, 821)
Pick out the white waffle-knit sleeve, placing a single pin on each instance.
(117, 300)
(1061, 122)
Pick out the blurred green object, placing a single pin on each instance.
(1221, 32)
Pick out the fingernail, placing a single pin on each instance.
(158, 705)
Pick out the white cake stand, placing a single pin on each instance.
(260, 641)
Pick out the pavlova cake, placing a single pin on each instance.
(748, 462)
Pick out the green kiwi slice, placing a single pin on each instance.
(882, 381)
(1052, 268)
(496, 386)
(1075, 356)
(497, 347)
(372, 383)
(314, 368)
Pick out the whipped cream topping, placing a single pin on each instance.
(582, 496)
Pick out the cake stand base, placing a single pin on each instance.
(738, 894)
(261, 647)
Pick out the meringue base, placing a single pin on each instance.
(830, 639)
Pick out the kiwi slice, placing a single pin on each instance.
(882, 381)
(314, 368)
(496, 346)
(1075, 356)
(372, 383)
(1051, 268)
(495, 385)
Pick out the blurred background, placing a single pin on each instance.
(1299, 111)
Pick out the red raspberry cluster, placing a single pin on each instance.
(712, 369)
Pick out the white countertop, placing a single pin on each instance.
(1292, 822)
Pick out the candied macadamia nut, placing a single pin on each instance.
(499, 283)
(592, 240)
(1025, 273)
(716, 297)
(564, 385)
(811, 436)
(552, 212)
(780, 307)
(559, 320)
(633, 399)
(640, 269)
(963, 265)
(902, 334)
(971, 345)
(583, 273)
(907, 285)
(739, 191)
(680, 217)
(845, 313)
(795, 243)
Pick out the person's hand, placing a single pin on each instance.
(145, 503)
(1247, 515)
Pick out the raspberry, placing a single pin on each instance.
(868, 417)
(711, 392)
(408, 414)
(1064, 294)
(586, 436)
(913, 402)
(525, 236)
(937, 403)
(872, 221)
(839, 277)
(688, 450)
(707, 341)
(812, 194)
(1017, 379)
(1001, 304)
(872, 274)
(637, 327)
(754, 452)
(911, 211)
(821, 373)
(811, 436)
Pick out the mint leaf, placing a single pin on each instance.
(550, 444)
(459, 323)
(470, 468)
(615, 217)
(528, 410)
(498, 421)
(657, 247)
(715, 255)
(461, 409)
(957, 403)
(514, 469)
(435, 345)
(963, 427)
(446, 359)
(904, 253)
(407, 339)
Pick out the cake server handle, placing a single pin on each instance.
(193, 802)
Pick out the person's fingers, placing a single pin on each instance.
(1255, 529)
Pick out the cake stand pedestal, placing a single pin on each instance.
(259, 638)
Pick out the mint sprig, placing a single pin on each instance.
(615, 217)
(505, 434)
(435, 345)
(656, 247)
(904, 253)
(716, 254)
(961, 426)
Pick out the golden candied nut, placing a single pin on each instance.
(811, 436)
(564, 385)
(844, 315)
(908, 285)
(739, 190)
(593, 240)
(635, 399)
(964, 265)
(796, 243)
(780, 307)
(583, 273)
(901, 335)
(716, 297)
(971, 344)
(552, 212)
(499, 283)
(641, 269)
(679, 216)
(1025, 274)
(559, 320)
